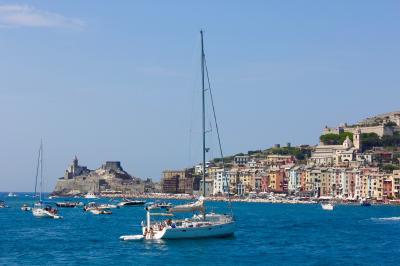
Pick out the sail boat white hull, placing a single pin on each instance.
(199, 226)
(211, 230)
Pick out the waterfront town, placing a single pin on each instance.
(351, 162)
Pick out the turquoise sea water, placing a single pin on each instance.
(267, 234)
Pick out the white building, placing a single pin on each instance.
(335, 154)
(294, 179)
(221, 181)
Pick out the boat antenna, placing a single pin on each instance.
(219, 139)
(203, 114)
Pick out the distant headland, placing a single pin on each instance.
(110, 177)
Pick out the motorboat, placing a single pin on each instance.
(91, 195)
(108, 206)
(25, 208)
(41, 210)
(159, 205)
(68, 204)
(327, 206)
(11, 194)
(365, 203)
(164, 205)
(130, 203)
(3, 204)
(98, 211)
(90, 206)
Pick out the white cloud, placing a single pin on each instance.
(28, 16)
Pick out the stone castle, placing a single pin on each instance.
(383, 125)
(109, 177)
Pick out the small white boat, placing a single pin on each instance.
(91, 195)
(68, 204)
(11, 194)
(42, 211)
(327, 206)
(3, 205)
(131, 237)
(127, 203)
(365, 203)
(25, 208)
(108, 206)
(98, 211)
(90, 206)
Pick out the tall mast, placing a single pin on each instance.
(37, 172)
(203, 114)
(41, 170)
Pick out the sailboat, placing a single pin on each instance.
(201, 224)
(40, 209)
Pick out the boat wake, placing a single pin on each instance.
(396, 218)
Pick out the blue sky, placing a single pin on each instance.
(121, 81)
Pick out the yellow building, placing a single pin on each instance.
(396, 183)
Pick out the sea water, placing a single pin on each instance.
(266, 234)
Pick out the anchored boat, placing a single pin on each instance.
(128, 203)
(40, 209)
(3, 204)
(68, 204)
(201, 224)
(365, 203)
(327, 206)
(25, 207)
(91, 195)
(198, 226)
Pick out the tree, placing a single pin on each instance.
(390, 124)
(388, 168)
(335, 139)
(390, 141)
(370, 140)
(329, 139)
(344, 135)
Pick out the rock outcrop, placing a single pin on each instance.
(109, 177)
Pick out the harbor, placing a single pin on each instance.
(215, 133)
(266, 234)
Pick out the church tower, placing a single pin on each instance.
(75, 162)
(357, 139)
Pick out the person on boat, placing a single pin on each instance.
(160, 227)
(169, 222)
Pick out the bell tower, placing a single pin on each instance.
(357, 139)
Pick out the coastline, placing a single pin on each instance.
(165, 196)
